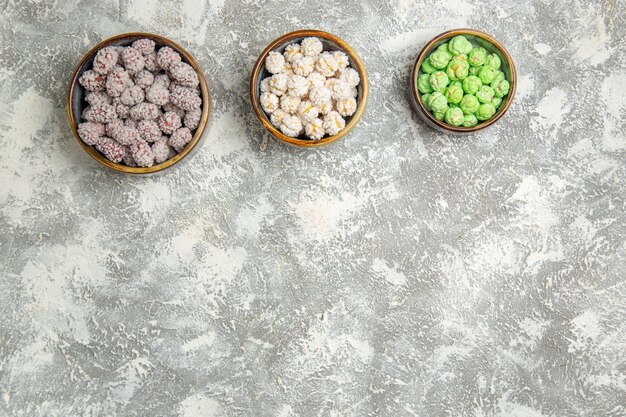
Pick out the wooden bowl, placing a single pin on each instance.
(76, 100)
(331, 43)
(491, 45)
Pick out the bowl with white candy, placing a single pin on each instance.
(309, 88)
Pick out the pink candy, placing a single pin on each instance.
(143, 111)
(128, 158)
(166, 57)
(144, 79)
(142, 154)
(127, 135)
(162, 79)
(173, 108)
(97, 97)
(117, 81)
(92, 81)
(151, 62)
(121, 109)
(132, 95)
(184, 74)
(158, 94)
(169, 122)
(144, 46)
(91, 132)
(161, 150)
(180, 138)
(184, 97)
(133, 60)
(149, 130)
(112, 150)
(113, 126)
(138, 98)
(102, 113)
(192, 118)
(105, 60)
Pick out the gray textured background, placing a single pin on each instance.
(400, 272)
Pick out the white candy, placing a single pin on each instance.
(327, 64)
(307, 111)
(310, 90)
(293, 52)
(326, 107)
(265, 85)
(338, 88)
(311, 46)
(315, 129)
(350, 76)
(278, 84)
(346, 106)
(290, 103)
(303, 66)
(298, 86)
(316, 79)
(277, 117)
(288, 69)
(319, 96)
(269, 102)
(333, 123)
(291, 126)
(274, 62)
(342, 60)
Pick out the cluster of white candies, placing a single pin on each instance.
(310, 91)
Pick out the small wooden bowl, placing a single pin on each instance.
(76, 100)
(491, 45)
(331, 43)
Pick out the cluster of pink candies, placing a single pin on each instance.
(144, 104)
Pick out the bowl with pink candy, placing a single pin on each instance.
(138, 103)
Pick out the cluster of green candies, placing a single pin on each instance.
(462, 84)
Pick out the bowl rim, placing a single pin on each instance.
(417, 98)
(303, 33)
(206, 104)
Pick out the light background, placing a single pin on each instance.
(401, 272)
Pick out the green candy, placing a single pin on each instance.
(423, 84)
(454, 93)
(499, 76)
(472, 84)
(493, 61)
(501, 88)
(440, 59)
(469, 104)
(485, 111)
(425, 100)
(474, 70)
(469, 120)
(485, 94)
(459, 45)
(439, 115)
(457, 70)
(462, 84)
(427, 67)
(486, 75)
(439, 80)
(477, 56)
(454, 116)
(437, 102)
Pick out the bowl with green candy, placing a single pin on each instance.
(463, 81)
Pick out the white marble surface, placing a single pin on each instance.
(399, 273)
